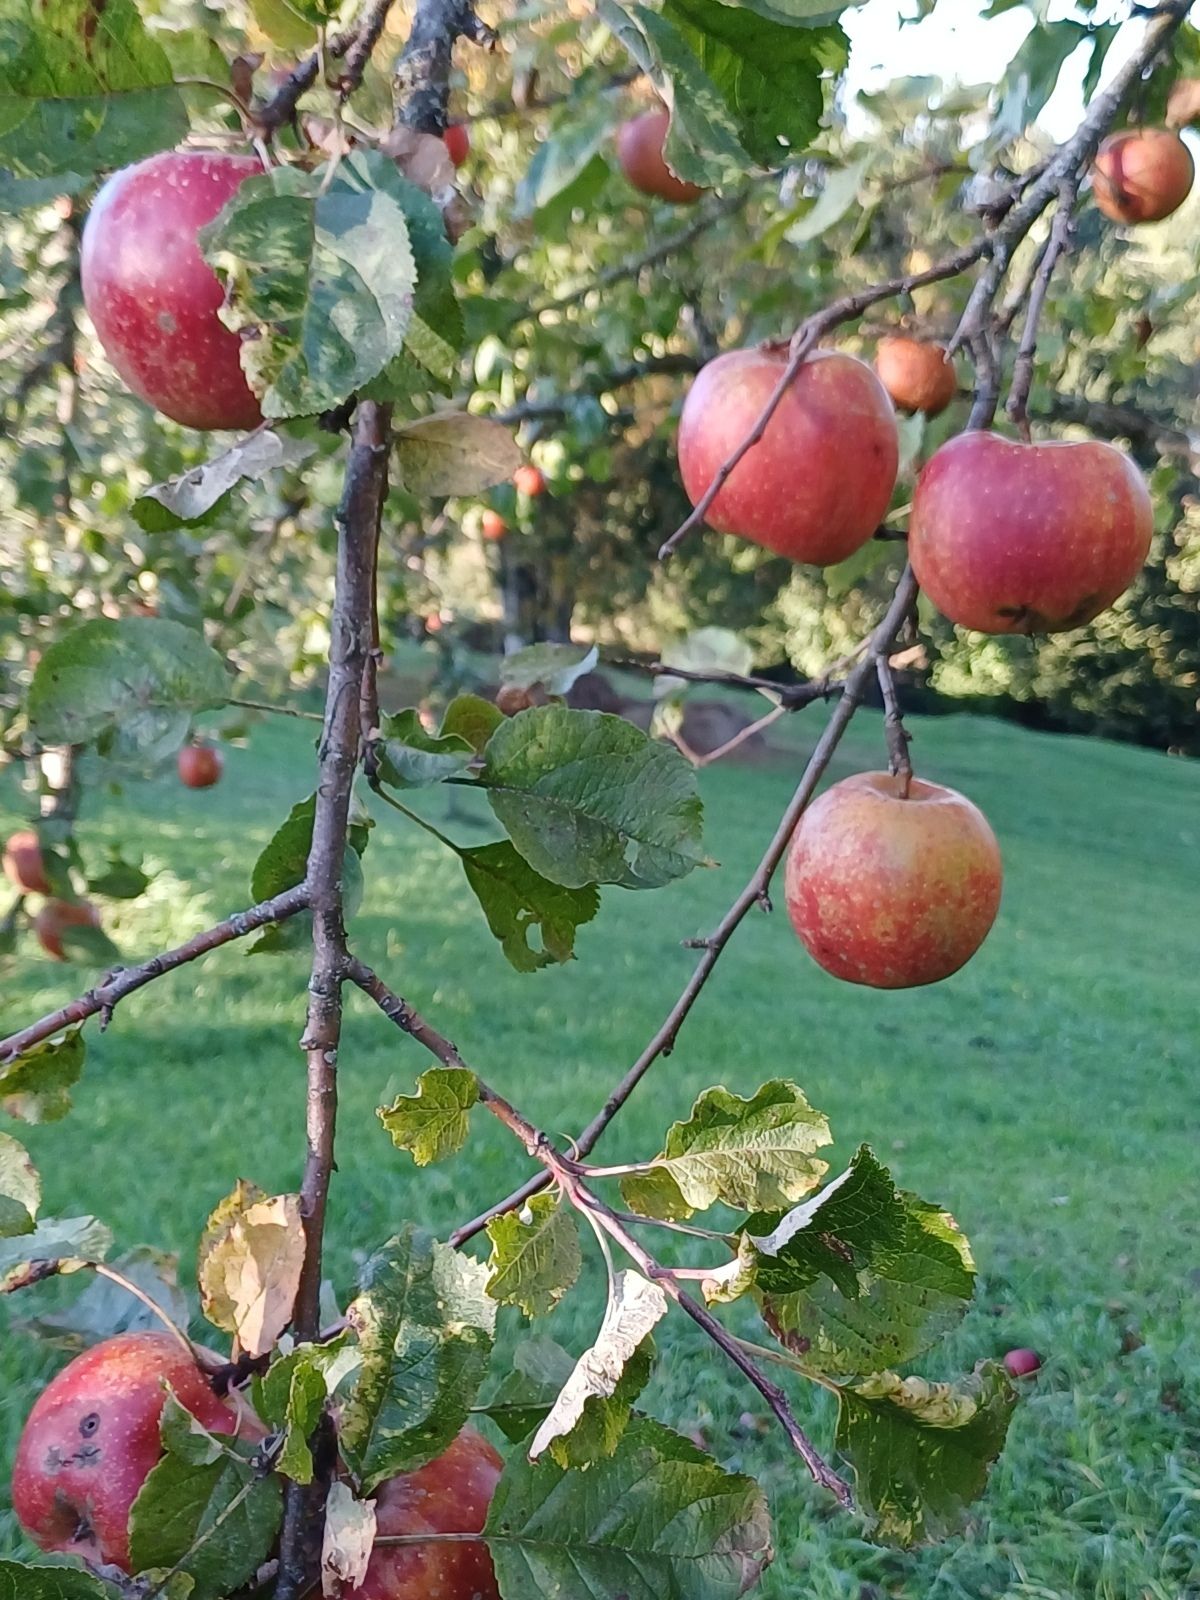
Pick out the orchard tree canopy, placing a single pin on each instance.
(550, 336)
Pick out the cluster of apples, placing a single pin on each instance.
(890, 883)
(92, 1439)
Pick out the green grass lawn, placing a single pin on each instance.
(1047, 1095)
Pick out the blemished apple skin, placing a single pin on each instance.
(1142, 175)
(890, 892)
(916, 374)
(818, 483)
(152, 297)
(449, 1495)
(640, 152)
(92, 1438)
(23, 864)
(1008, 537)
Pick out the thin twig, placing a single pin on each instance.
(1056, 246)
(125, 980)
(893, 727)
(276, 710)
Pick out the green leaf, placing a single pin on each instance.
(472, 718)
(425, 1325)
(36, 1085)
(635, 1307)
(131, 686)
(435, 336)
(575, 137)
(284, 863)
(119, 880)
(658, 1520)
(768, 72)
(920, 1452)
(529, 1388)
(285, 25)
(703, 144)
(1033, 72)
(289, 1397)
(21, 1582)
(77, 1240)
(831, 205)
(556, 667)
(410, 758)
(739, 1152)
(217, 1521)
(83, 87)
(321, 266)
(104, 1309)
(198, 496)
(516, 900)
(453, 452)
(20, 1189)
(864, 1276)
(535, 1255)
(433, 1123)
(588, 798)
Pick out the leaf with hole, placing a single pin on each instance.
(517, 901)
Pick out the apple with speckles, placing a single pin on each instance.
(888, 889)
(640, 152)
(1007, 537)
(92, 1438)
(818, 483)
(24, 866)
(152, 297)
(916, 373)
(449, 1495)
(1142, 175)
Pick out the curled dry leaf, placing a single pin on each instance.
(348, 1542)
(250, 1262)
(332, 139)
(636, 1306)
(424, 160)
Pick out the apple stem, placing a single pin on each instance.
(897, 735)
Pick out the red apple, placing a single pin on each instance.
(199, 766)
(817, 485)
(450, 1495)
(640, 152)
(529, 480)
(1022, 1363)
(493, 525)
(917, 375)
(92, 1437)
(152, 297)
(457, 139)
(23, 864)
(889, 891)
(1142, 174)
(55, 917)
(1027, 538)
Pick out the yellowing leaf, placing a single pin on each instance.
(250, 1264)
(349, 1539)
